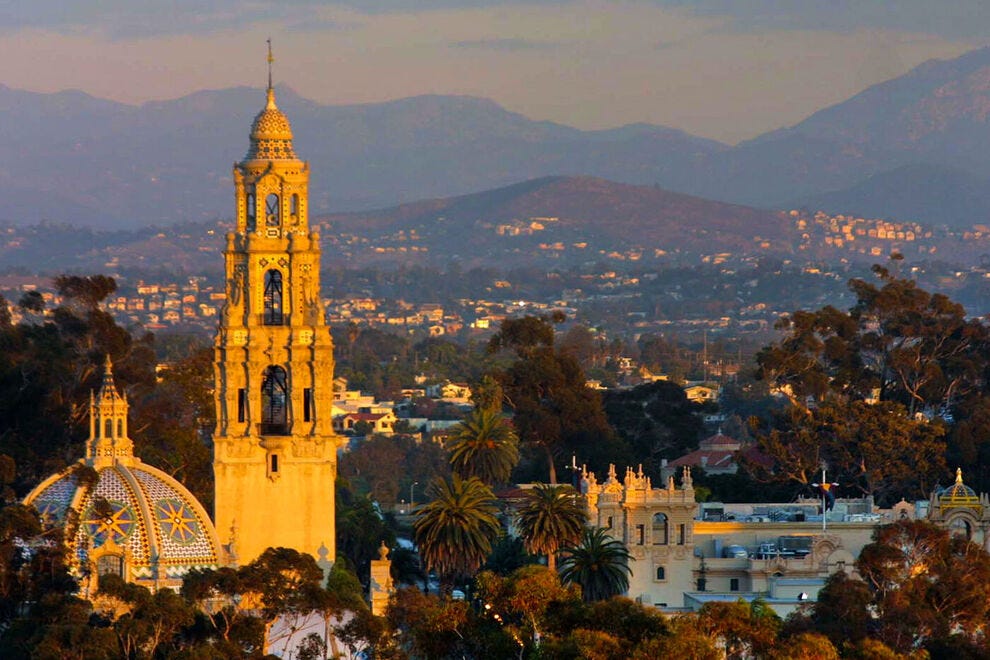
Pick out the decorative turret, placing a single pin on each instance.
(108, 439)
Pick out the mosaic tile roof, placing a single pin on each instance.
(141, 508)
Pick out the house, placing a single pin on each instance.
(716, 454)
(379, 422)
(700, 393)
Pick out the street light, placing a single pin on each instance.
(412, 502)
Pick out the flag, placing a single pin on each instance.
(827, 491)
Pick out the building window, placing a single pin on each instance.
(733, 584)
(250, 211)
(659, 529)
(271, 210)
(241, 405)
(681, 533)
(273, 297)
(108, 428)
(608, 522)
(307, 404)
(110, 565)
(274, 395)
(120, 428)
(640, 534)
(661, 573)
(274, 463)
(294, 206)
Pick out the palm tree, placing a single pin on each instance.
(599, 564)
(456, 530)
(484, 446)
(551, 518)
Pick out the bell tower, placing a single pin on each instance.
(275, 452)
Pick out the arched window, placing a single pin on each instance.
(271, 210)
(661, 573)
(294, 206)
(274, 400)
(251, 213)
(120, 428)
(273, 298)
(961, 528)
(659, 529)
(110, 565)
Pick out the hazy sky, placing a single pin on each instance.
(726, 69)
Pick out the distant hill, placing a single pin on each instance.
(563, 220)
(89, 161)
(936, 116)
(939, 195)
(70, 157)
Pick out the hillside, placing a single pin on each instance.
(940, 195)
(566, 220)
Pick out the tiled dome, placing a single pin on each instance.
(112, 503)
(271, 134)
(163, 527)
(958, 494)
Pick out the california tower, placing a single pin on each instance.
(275, 451)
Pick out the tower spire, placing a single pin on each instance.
(270, 60)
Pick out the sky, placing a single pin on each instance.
(724, 69)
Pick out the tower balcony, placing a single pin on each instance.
(273, 429)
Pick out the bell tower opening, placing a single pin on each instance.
(274, 396)
(273, 297)
(272, 210)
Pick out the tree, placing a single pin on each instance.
(384, 467)
(656, 420)
(876, 448)
(360, 530)
(897, 343)
(554, 411)
(483, 445)
(550, 518)
(742, 629)
(428, 626)
(282, 582)
(927, 585)
(599, 564)
(841, 612)
(523, 599)
(456, 530)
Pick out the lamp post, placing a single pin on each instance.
(412, 503)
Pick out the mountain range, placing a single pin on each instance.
(916, 147)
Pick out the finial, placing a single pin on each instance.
(383, 551)
(959, 475)
(270, 60)
(108, 388)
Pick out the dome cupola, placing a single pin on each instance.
(271, 133)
